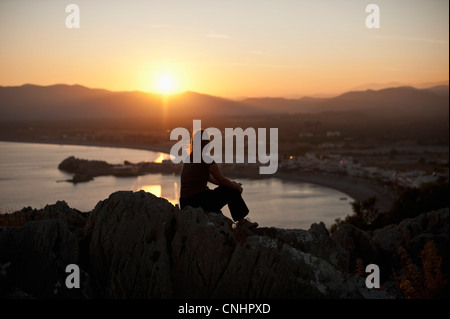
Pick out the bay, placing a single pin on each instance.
(29, 176)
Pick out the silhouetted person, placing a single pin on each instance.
(194, 191)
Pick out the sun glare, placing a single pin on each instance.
(165, 84)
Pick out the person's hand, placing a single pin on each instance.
(239, 187)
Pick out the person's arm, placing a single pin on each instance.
(213, 180)
(219, 179)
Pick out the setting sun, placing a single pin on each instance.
(165, 84)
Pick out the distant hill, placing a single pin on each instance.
(283, 105)
(439, 89)
(58, 102)
(405, 99)
(192, 103)
(392, 100)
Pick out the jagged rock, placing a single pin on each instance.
(266, 268)
(142, 246)
(316, 240)
(38, 252)
(381, 246)
(86, 170)
(412, 233)
(73, 218)
(136, 245)
(357, 243)
(201, 248)
(76, 165)
(129, 252)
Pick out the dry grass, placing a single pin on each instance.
(359, 269)
(421, 283)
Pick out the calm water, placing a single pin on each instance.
(29, 176)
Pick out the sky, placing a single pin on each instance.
(233, 48)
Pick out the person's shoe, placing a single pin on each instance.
(247, 224)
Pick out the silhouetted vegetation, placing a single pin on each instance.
(409, 203)
(412, 202)
(364, 213)
(425, 281)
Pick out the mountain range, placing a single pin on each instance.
(62, 102)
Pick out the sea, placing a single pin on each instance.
(29, 176)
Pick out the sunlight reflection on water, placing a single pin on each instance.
(29, 176)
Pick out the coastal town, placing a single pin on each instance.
(364, 166)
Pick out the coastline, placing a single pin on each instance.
(163, 148)
(356, 188)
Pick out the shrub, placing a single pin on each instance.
(426, 282)
(410, 203)
(364, 213)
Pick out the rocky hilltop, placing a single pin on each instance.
(137, 245)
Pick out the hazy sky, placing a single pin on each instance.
(228, 48)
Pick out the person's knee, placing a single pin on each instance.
(227, 189)
(233, 193)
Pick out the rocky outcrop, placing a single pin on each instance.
(84, 170)
(87, 170)
(144, 247)
(137, 245)
(34, 256)
(382, 246)
(358, 243)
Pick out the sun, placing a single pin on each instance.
(165, 84)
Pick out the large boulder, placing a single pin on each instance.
(358, 244)
(412, 234)
(130, 237)
(201, 249)
(34, 256)
(141, 246)
(397, 249)
(137, 245)
(317, 241)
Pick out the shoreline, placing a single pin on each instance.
(356, 188)
(153, 148)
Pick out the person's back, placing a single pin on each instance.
(194, 178)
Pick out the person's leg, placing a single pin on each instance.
(215, 200)
(221, 196)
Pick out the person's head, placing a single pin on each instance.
(203, 137)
